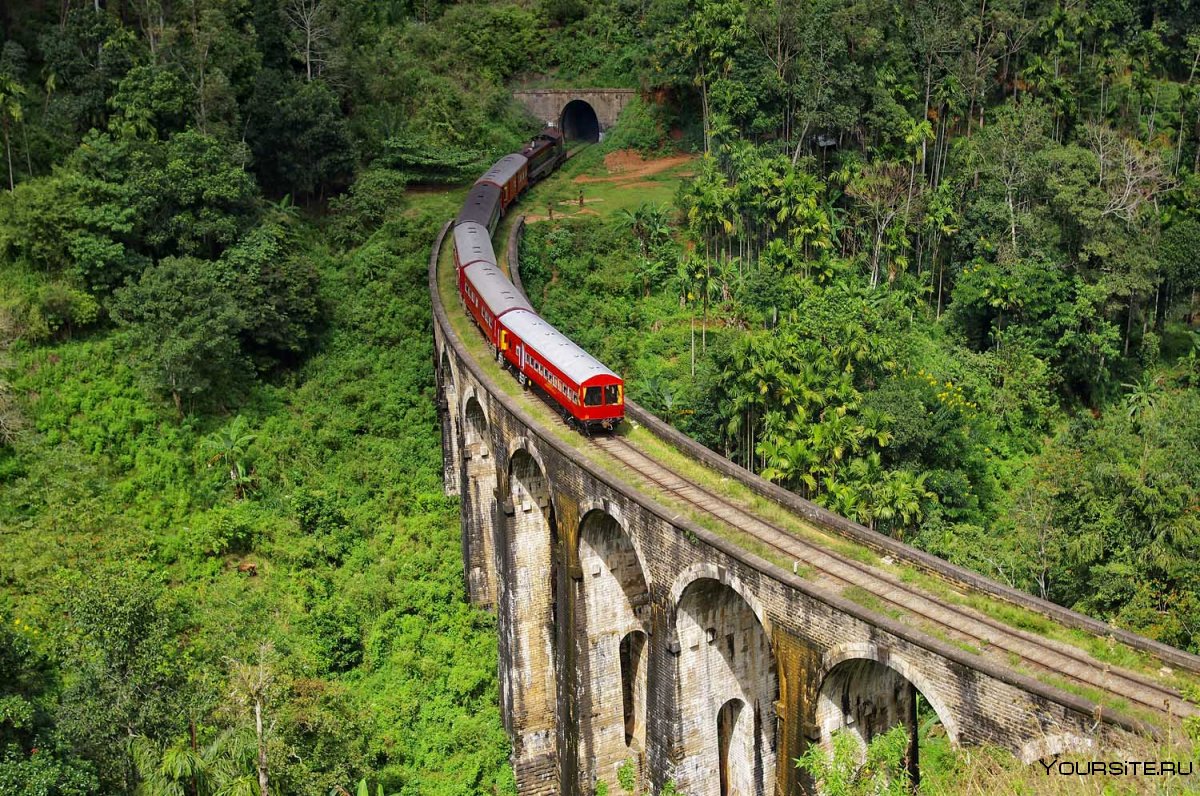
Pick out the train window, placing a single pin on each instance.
(610, 394)
(591, 396)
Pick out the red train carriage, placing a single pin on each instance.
(488, 295)
(472, 244)
(584, 388)
(482, 206)
(510, 176)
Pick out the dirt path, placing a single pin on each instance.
(626, 165)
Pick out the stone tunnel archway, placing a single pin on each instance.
(527, 578)
(727, 690)
(610, 603)
(478, 503)
(579, 121)
(866, 691)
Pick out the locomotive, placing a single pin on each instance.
(584, 390)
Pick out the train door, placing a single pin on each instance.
(519, 351)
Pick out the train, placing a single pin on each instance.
(585, 391)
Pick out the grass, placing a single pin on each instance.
(1087, 692)
(1104, 649)
(858, 594)
(992, 771)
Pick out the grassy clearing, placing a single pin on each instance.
(605, 192)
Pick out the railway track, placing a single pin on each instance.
(1015, 648)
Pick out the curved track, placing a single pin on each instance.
(958, 623)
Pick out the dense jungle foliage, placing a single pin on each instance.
(220, 468)
(935, 270)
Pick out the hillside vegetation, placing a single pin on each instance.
(934, 268)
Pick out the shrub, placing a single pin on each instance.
(226, 529)
(640, 127)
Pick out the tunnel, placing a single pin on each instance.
(579, 122)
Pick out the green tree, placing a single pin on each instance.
(185, 325)
(11, 112)
(126, 674)
(299, 136)
(229, 447)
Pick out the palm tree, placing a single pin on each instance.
(223, 767)
(647, 272)
(900, 495)
(253, 686)
(633, 220)
(684, 273)
(1143, 396)
(10, 111)
(229, 447)
(792, 463)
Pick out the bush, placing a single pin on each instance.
(38, 313)
(65, 308)
(226, 529)
(361, 210)
(639, 127)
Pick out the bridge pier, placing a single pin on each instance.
(478, 506)
(527, 571)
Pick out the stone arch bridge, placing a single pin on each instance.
(634, 642)
(583, 114)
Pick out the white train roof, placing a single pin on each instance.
(473, 243)
(494, 288)
(558, 349)
(504, 169)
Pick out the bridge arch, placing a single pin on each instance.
(529, 447)
(527, 575)
(710, 571)
(886, 660)
(579, 121)
(478, 501)
(726, 691)
(611, 657)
